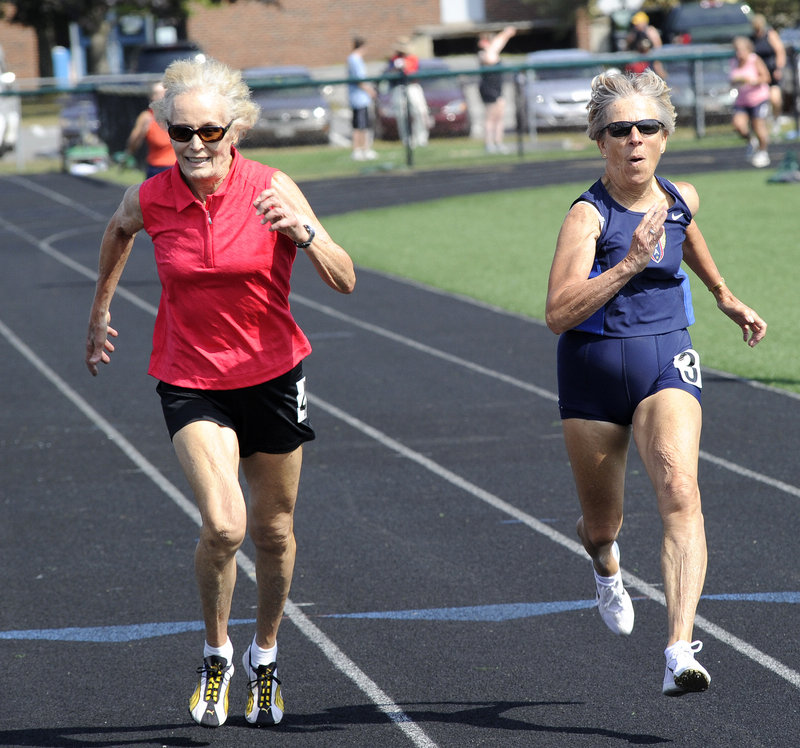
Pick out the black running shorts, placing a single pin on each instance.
(271, 417)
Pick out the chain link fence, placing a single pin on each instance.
(90, 123)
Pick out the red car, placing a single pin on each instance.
(446, 104)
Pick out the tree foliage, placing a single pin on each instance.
(779, 13)
(50, 19)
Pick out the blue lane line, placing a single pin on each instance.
(473, 613)
(758, 597)
(528, 610)
(113, 634)
(135, 632)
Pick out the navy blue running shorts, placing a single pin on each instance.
(605, 379)
(271, 417)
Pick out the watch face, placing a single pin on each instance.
(307, 242)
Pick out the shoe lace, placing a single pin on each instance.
(685, 649)
(609, 597)
(265, 675)
(213, 673)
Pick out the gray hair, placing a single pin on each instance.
(609, 87)
(208, 76)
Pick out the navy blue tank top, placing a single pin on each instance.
(656, 300)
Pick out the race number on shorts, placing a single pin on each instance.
(688, 365)
(302, 401)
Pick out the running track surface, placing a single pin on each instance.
(440, 597)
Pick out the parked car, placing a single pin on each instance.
(709, 21)
(557, 96)
(447, 104)
(293, 108)
(717, 93)
(154, 58)
(9, 109)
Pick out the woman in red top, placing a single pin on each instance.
(160, 155)
(227, 354)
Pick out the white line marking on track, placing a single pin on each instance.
(429, 350)
(339, 659)
(741, 646)
(57, 197)
(649, 590)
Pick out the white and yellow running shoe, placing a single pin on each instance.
(264, 698)
(209, 702)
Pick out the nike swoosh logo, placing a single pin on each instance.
(676, 216)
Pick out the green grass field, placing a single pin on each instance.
(497, 248)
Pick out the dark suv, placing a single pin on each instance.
(154, 58)
(710, 21)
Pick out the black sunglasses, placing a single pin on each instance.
(207, 133)
(623, 128)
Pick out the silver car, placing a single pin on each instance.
(293, 108)
(716, 92)
(10, 109)
(559, 91)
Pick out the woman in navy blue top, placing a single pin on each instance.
(619, 298)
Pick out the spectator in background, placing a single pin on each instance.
(750, 110)
(491, 87)
(160, 154)
(408, 98)
(769, 47)
(641, 28)
(644, 47)
(360, 96)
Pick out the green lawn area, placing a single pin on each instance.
(497, 248)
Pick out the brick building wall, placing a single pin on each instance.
(304, 32)
(19, 46)
(307, 32)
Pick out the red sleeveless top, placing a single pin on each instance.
(224, 320)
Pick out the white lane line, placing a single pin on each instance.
(751, 474)
(423, 348)
(527, 386)
(653, 593)
(57, 197)
(739, 645)
(339, 659)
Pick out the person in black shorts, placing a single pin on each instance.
(490, 87)
(767, 44)
(619, 299)
(360, 94)
(228, 356)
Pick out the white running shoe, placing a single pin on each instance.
(760, 159)
(683, 673)
(613, 602)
